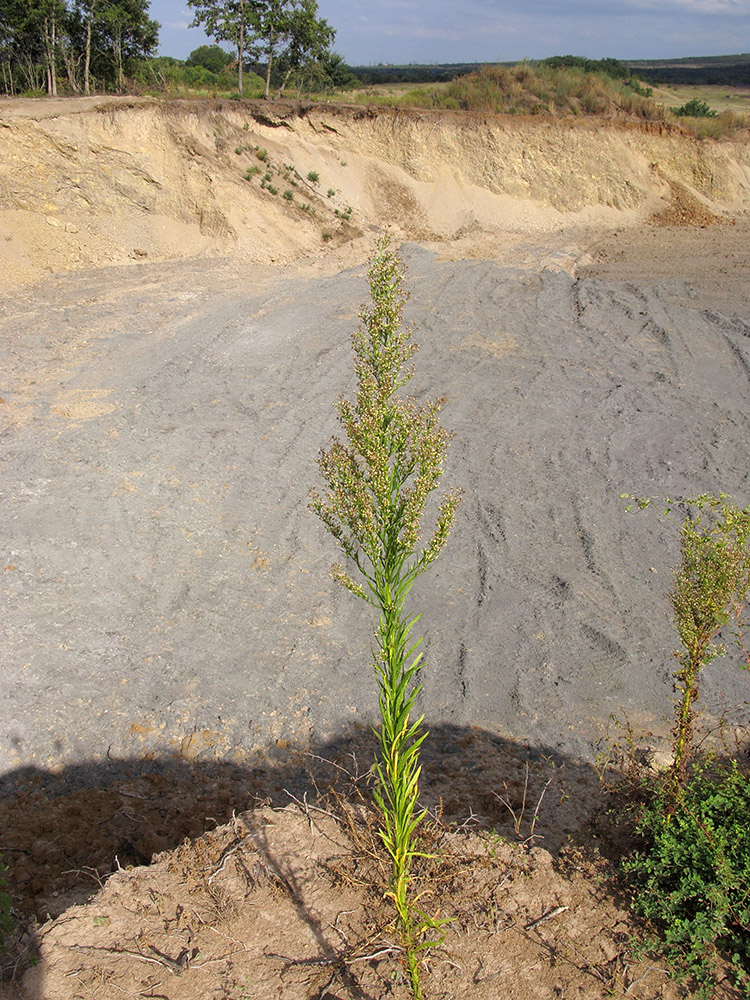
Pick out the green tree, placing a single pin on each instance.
(335, 73)
(267, 30)
(50, 18)
(29, 34)
(378, 483)
(126, 32)
(40, 40)
(290, 32)
(210, 57)
(309, 44)
(227, 21)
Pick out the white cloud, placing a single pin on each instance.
(714, 8)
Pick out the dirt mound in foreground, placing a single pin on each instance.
(289, 904)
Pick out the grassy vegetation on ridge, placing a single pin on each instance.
(548, 89)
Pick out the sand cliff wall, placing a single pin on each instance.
(91, 182)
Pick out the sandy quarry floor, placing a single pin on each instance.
(276, 904)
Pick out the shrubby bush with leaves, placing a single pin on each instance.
(691, 875)
(694, 108)
(691, 871)
(526, 89)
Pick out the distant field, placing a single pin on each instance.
(566, 90)
(719, 98)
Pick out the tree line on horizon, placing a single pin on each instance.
(83, 46)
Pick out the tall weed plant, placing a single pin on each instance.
(378, 480)
(708, 595)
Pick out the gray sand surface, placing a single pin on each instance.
(165, 586)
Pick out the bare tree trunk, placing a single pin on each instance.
(49, 51)
(31, 71)
(87, 58)
(241, 54)
(8, 80)
(72, 66)
(280, 91)
(117, 47)
(268, 68)
(71, 70)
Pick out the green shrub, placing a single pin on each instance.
(251, 172)
(262, 154)
(331, 192)
(694, 108)
(289, 195)
(692, 874)
(637, 87)
(210, 57)
(313, 176)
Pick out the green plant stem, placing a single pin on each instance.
(378, 483)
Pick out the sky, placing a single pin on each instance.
(369, 32)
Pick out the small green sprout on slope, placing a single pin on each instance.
(379, 482)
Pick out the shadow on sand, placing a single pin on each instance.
(65, 831)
